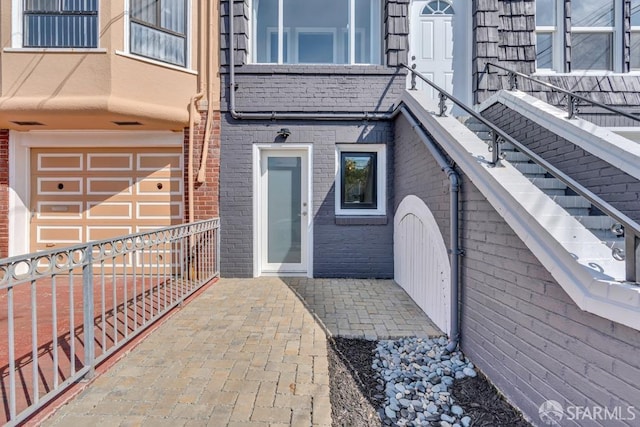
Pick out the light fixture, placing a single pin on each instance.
(284, 132)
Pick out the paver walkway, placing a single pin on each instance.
(245, 352)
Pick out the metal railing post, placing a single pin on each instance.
(571, 106)
(442, 104)
(495, 148)
(413, 76)
(513, 81)
(88, 301)
(217, 234)
(632, 257)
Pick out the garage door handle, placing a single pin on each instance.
(50, 245)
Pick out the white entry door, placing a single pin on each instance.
(283, 211)
(432, 43)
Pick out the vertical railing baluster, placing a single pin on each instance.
(34, 341)
(217, 233)
(54, 321)
(103, 307)
(142, 293)
(632, 256)
(125, 303)
(72, 321)
(114, 291)
(88, 301)
(12, 349)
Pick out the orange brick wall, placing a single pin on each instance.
(206, 199)
(4, 193)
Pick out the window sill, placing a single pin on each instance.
(54, 50)
(318, 69)
(154, 62)
(361, 220)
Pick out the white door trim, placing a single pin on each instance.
(258, 149)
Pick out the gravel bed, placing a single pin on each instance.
(411, 382)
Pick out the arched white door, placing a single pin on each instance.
(421, 261)
(431, 42)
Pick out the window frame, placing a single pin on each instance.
(187, 36)
(18, 32)
(292, 50)
(559, 61)
(380, 151)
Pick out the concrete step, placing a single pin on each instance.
(572, 201)
(596, 222)
(516, 157)
(549, 184)
(531, 169)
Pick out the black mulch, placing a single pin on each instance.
(353, 391)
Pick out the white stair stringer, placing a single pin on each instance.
(574, 256)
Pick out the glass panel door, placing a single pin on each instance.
(283, 211)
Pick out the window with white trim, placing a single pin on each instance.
(316, 32)
(635, 35)
(60, 23)
(594, 35)
(361, 179)
(158, 30)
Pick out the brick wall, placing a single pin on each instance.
(206, 194)
(4, 193)
(518, 325)
(339, 250)
(602, 178)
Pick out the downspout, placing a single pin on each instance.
(190, 179)
(279, 115)
(207, 133)
(454, 182)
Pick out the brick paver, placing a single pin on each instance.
(247, 352)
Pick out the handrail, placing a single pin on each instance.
(631, 228)
(572, 100)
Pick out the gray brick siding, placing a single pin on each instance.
(361, 251)
(602, 178)
(518, 325)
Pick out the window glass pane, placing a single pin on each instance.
(544, 50)
(635, 12)
(635, 50)
(265, 30)
(173, 15)
(591, 51)
(41, 6)
(145, 10)
(79, 5)
(284, 222)
(367, 35)
(358, 181)
(437, 7)
(315, 27)
(546, 13)
(61, 31)
(592, 13)
(157, 44)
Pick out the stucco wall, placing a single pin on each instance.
(4, 193)
(518, 325)
(339, 250)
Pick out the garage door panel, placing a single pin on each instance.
(59, 186)
(153, 210)
(109, 186)
(60, 162)
(59, 234)
(156, 161)
(109, 210)
(59, 210)
(110, 161)
(155, 186)
(99, 232)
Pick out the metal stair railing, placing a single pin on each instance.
(573, 99)
(631, 228)
(63, 311)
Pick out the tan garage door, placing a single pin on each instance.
(79, 195)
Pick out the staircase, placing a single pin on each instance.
(599, 224)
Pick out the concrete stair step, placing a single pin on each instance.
(516, 157)
(596, 222)
(572, 201)
(549, 184)
(530, 169)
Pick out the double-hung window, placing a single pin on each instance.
(316, 32)
(592, 31)
(60, 23)
(360, 179)
(158, 30)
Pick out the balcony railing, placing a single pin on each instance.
(64, 311)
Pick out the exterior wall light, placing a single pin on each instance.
(284, 132)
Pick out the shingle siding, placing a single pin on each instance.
(518, 325)
(603, 179)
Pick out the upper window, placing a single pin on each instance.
(635, 34)
(437, 7)
(360, 183)
(60, 23)
(594, 36)
(159, 30)
(316, 32)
